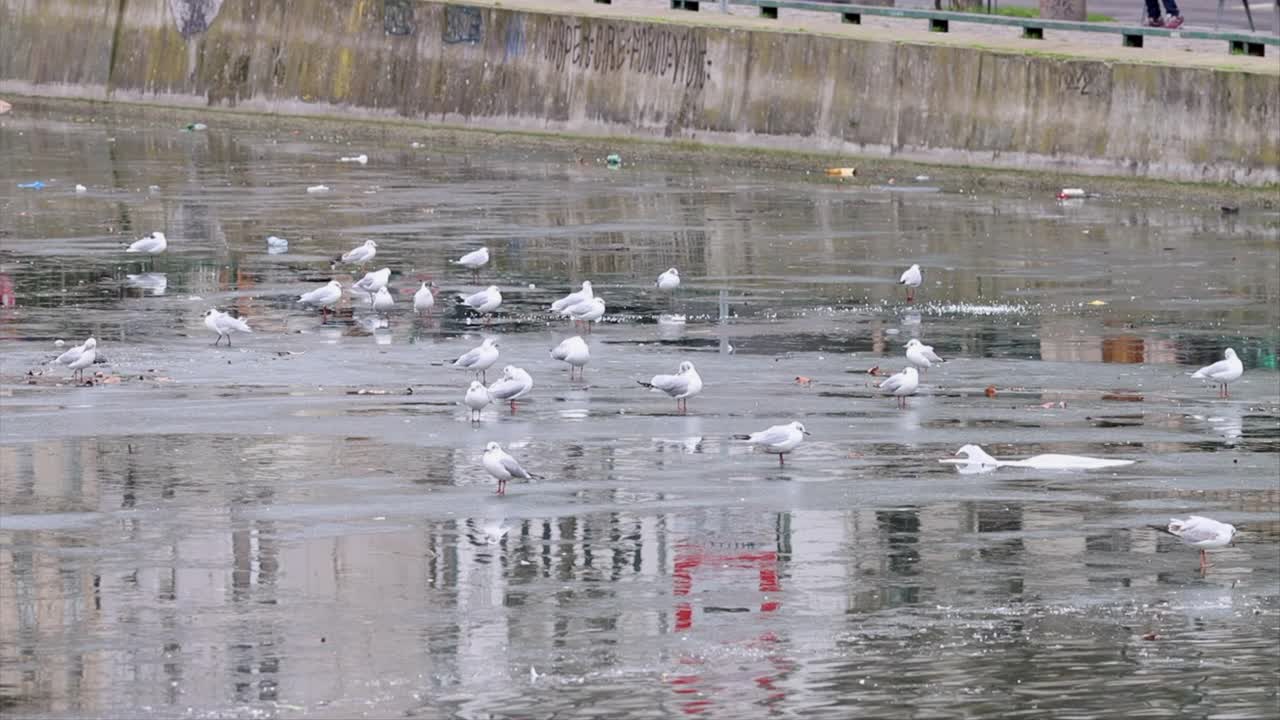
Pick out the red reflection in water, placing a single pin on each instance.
(8, 296)
(689, 559)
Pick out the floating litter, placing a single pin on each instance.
(671, 319)
(317, 189)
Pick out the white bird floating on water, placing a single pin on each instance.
(1223, 372)
(777, 440)
(573, 298)
(224, 325)
(485, 301)
(911, 277)
(73, 354)
(1202, 533)
(480, 358)
(514, 384)
(324, 297)
(503, 467)
(976, 460)
(153, 244)
(669, 280)
(921, 355)
(474, 260)
(425, 298)
(902, 384)
(88, 353)
(382, 301)
(686, 383)
(360, 254)
(573, 351)
(477, 398)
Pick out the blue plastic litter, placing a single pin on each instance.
(36, 185)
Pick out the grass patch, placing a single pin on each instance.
(1019, 11)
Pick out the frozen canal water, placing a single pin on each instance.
(299, 525)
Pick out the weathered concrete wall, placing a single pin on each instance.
(489, 67)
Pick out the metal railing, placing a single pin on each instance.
(1238, 43)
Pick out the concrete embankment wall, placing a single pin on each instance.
(490, 67)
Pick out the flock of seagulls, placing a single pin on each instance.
(584, 307)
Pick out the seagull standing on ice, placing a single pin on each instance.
(382, 301)
(669, 280)
(683, 385)
(73, 354)
(573, 351)
(1225, 371)
(479, 358)
(477, 398)
(153, 244)
(474, 260)
(324, 297)
(573, 298)
(485, 301)
(921, 355)
(588, 312)
(88, 354)
(1202, 533)
(224, 324)
(503, 467)
(777, 440)
(372, 282)
(514, 384)
(425, 298)
(902, 385)
(360, 255)
(912, 278)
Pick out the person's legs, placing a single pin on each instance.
(1173, 18)
(1153, 10)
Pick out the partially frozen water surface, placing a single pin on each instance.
(299, 525)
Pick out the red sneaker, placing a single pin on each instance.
(1173, 22)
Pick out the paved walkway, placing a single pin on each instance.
(1083, 45)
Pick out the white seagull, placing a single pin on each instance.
(588, 312)
(777, 440)
(425, 298)
(372, 282)
(477, 398)
(669, 280)
(85, 359)
(382, 300)
(485, 301)
(976, 460)
(360, 254)
(685, 384)
(1202, 533)
(921, 355)
(324, 297)
(573, 298)
(1222, 372)
(514, 384)
(474, 260)
(503, 467)
(573, 351)
(479, 358)
(153, 244)
(224, 325)
(73, 354)
(902, 385)
(912, 278)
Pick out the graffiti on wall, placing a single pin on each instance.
(397, 17)
(194, 16)
(462, 24)
(677, 53)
